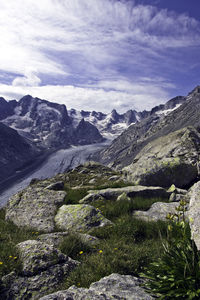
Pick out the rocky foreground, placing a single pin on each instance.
(41, 207)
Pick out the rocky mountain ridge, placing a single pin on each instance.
(51, 125)
(124, 148)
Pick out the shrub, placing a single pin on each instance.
(176, 275)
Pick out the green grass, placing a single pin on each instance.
(10, 235)
(125, 248)
(113, 209)
(73, 196)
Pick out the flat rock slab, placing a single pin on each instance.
(80, 217)
(115, 286)
(129, 191)
(194, 213)
(35, 208)
(158, 211)
(56, 238)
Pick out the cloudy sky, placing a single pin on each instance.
(99, 54)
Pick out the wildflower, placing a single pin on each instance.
(100, 251)
(81, 252)
(15, 257)
(115, 248)
(10, 256)
(1, 263)
(169, 227)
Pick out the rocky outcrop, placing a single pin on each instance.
(128, 192)
(158, 211)
(114, 286)
(79, 218)
(44, 267)
(171, 159)
(194, 213)
(34, 207)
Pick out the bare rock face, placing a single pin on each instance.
(170, 159)
(114, 286)
(194, 213)
(34, 207)
(79, 218)
(44, 267)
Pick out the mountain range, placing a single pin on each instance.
(41, 127)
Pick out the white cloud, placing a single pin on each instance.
(136, 96)
(118, 44)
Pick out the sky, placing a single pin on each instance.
(99, 54)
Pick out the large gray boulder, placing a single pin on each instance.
(129, 192)
(114, 286)
(34, 207)
(44, 268)
(170, 159)
(80, 218)
(194, 213)
(158, 211)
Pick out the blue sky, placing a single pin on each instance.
(100, 54)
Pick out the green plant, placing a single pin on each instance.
(176, 275)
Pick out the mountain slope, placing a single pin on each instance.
(15, 152)
(123, 150)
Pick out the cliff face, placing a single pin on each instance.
(15, 152)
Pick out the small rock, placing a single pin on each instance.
(79, 218)
(123, 197)
(93, 180)
(158, 211)
(114, 178)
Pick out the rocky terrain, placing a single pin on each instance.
(48, 208)
(124, 149)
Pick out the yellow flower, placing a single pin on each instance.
(100, 251)
(10, 256)
(1, 263)
(81, 252)
(115, 248)
(15, 257)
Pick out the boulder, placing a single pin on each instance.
(194, 213)
(158, 211)
(35, 208)
(114, 286)
(170, 159)
(80, 217)
(44, 267)
(129, 191)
